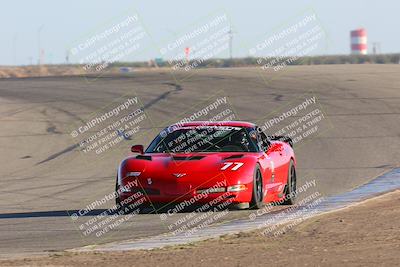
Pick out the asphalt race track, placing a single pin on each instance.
(44, 176)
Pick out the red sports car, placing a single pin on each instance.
(202, 161)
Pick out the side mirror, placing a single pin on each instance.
(137, 149)
(274, 147)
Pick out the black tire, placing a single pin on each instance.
(258, 194)
(144, 208)
(117, 200)
(291, 186)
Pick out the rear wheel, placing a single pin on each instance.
(258, 194)
(291, 186)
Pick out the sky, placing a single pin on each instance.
(59, 24)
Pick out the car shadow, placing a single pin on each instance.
(53, 213)
(156, 209)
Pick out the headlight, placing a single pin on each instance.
(211, 190)
(236, 188)
(133, 174)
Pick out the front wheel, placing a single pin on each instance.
(117, 199)
(126, 208)
(258, 195)
(291, 186)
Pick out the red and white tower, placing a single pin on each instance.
(358, 41)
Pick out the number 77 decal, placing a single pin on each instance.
(234, 168)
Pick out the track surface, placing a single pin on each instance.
(43, 175)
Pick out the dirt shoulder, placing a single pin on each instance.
(37, 71)
(367, 234)
(57, 70)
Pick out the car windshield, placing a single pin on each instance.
(204, 139)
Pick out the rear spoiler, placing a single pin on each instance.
(281, 138)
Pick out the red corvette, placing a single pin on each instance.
(202, 161)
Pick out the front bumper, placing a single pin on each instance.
(159, 195)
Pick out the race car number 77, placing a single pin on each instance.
(234, 168)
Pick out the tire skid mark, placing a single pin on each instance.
(163, 96)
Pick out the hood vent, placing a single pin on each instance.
(143, 157)
(187, 158)
(234, 157)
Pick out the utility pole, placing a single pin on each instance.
(15, 49)
(67, 56)
(38, 41)
(230, 33)
(376, 48)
